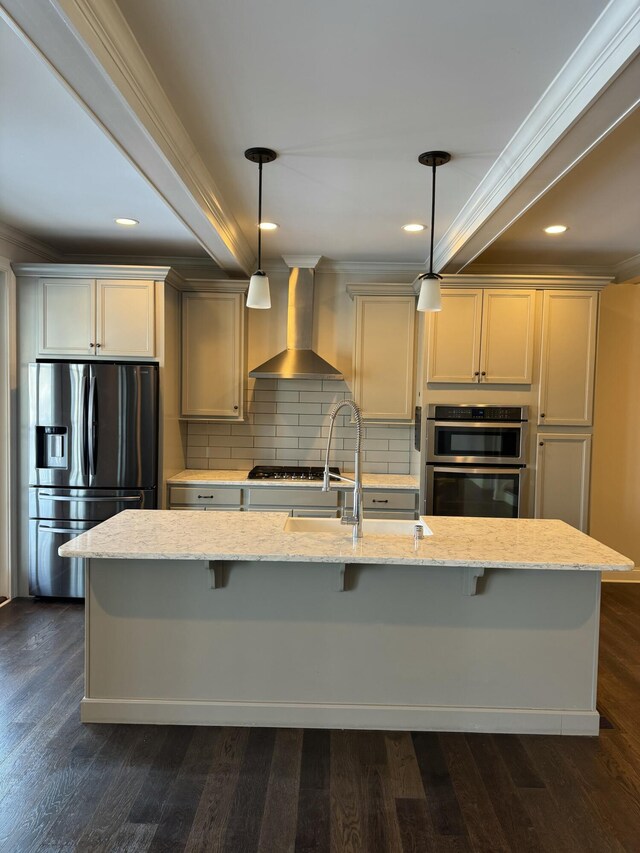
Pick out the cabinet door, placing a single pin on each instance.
(67, 317)
(568, 358)
(212, 355)
(508, 318)
(454, 337)
(125, 321)
(563, 463)
(383, 356)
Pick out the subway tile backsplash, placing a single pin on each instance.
(286, 423)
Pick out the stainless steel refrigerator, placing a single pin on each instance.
(93, 451)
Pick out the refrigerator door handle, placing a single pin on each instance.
(84, 428)
(73, 531)
(91, 427)
(91, 499)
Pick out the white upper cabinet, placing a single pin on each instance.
(383, 356)
(125, 318)
(67, 317)
(563, 463)
(454, 337)
(482, 336)
(569, 320)
(212, 355)
(85, 317)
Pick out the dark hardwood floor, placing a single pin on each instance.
(68, 787)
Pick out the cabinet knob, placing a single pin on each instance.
(484, 373)
(236, 408)
(541, 414)
(541, 443)
(98, 346)
(477, 373)
(91, 346)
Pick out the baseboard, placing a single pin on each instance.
(380, 717)
(622, 577)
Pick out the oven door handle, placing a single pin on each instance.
(465, 469)
(480, 424)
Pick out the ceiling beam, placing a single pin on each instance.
(596, 89)
(91, 49)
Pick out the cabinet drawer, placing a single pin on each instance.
(291, 497)
(397, 514)
(203, 496)
(384, 500)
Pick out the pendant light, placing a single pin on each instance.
(429, 299)
(258, 295)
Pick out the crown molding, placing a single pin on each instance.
(593, 92)
(390, 269)
(210, 285)
(89, 46)
(305, 262)
(28, 244)
(628, 272)
(525, 282)
(604, 270)
(65, 270)
(379, 288)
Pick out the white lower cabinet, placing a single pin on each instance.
(563, 463)
(204, 497)
(300, 502)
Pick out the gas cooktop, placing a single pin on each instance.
(292, 472)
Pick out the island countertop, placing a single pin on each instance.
(244, 536)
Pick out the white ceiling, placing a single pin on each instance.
(347, 93)
(599, 202)
(62, 180)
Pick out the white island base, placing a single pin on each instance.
(402, 648)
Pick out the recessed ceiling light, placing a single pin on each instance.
(555, 229)
(413, 226)
(268, 226)
(123, 220)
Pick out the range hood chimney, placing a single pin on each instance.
(298, 361)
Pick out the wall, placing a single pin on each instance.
(286, 420)
(615, 481)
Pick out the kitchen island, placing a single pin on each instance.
(227, 618)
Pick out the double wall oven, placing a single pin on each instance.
(476, 460)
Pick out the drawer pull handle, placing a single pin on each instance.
(205, 496)
(376, 501)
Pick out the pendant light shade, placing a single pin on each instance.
(430, 298)
(258, 295)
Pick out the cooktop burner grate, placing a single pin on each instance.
(289, 472)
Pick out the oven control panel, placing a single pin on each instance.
(478, 413)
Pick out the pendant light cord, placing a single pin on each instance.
(259, 214)
(433, 215)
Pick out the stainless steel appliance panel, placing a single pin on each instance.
(93, 425)
(477, 443)
(58, 395)
(50, 574)
(50, 502)
(122, 416)
(478, 492)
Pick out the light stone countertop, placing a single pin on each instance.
(475, 542)
(200, 476)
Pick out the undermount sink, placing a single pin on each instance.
(370, 526)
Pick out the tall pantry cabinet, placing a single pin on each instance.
(565, 405)
(529, 340)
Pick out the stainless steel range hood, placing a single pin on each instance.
(298, 361)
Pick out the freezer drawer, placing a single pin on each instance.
(86, 504)
(49, 574)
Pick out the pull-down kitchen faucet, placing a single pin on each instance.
(355, 519)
